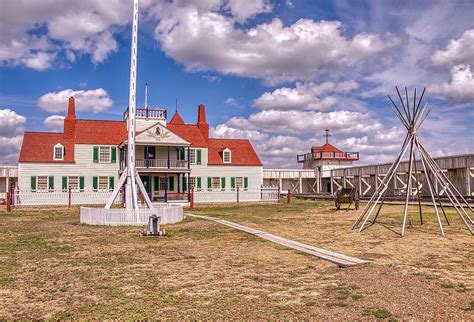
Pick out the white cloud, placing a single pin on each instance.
(35, 32)
(95, 100)
(459, 51)
(309, 96)
(202, 38)
(11, 128)
(460, 89)
(241, 10)
(54, 123)
(11, 124)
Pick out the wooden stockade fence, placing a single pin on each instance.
(333, 257)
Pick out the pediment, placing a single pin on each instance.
(158, 134)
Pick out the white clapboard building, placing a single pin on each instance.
(171, 158)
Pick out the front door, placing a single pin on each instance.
(147, 183)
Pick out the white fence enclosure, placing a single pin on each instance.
(169, 214)
(236, 195)
(62, 198)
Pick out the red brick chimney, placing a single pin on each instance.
(70, 120)
(202, 123)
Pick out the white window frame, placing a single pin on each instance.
(38, 189)
(109, 149)
(162, 183)
(99, 183)
(216, 182)
(227, 151)
(58, 146)
(192, 156)
(192, 182)
(74, 186)
(237, 184)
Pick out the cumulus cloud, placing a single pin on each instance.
(95, 100)
(460, 89)
(34, 32)
(54, 123)
(309, 96)
(11, 128)
(458, 51)
(203, 38)
(241, 10)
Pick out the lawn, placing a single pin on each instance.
(53, 267)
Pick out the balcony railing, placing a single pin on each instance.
(349, 156)
(160, 164)
(147, 113)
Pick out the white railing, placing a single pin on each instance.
(62, 198)
(168, 213)
(236, 195)
(161, 163)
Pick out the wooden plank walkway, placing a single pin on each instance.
(337, 258)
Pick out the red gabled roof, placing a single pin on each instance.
(242, 152)
(38, 146)
(177, 119)
(325, 148)
(190, 133)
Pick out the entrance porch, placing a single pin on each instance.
(167, 187)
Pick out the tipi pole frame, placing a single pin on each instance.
(409, 184)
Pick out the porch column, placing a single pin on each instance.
(189, 190)
(168, 162)
(150, 187)
(189, 160)
(179, 181)
(166, 187)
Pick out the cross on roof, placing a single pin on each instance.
(327, 135)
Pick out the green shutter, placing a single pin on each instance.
(51, 183)
(95, 181)
(81, 183)
(156, 183)
(223, 182)
(113, 157)
(198, 182)
(232, 182)
(64, 183)
(246, 182)
(95, 154)
(111, 183)
(171, 183)
(209, 182)
(185, 183)
(198, 158)
(181, 153)
(33, 183)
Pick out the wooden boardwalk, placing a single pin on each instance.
(337, 258)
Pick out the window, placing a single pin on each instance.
(216, 182)
(104, 154)
(226, 156)
(192, 182)
(103, 183)
(73, 183)
(162, 183)
(42, 183)
(58, 153)
(192, 156)
(238, 182)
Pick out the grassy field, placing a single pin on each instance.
(53, 267)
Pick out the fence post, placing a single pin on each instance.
(238, 188)
(279, 194)
(261, 192)
(191, 199)
(69, 198)
(8, 201)
(289, 196)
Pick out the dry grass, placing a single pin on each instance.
(52, 267)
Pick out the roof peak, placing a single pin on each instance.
(177, 119)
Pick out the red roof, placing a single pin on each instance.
(242, 152)
(325, 148)
(38, 146)
(176, 119)
(190, 133)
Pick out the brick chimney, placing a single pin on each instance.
(202, 123)
(70, 120)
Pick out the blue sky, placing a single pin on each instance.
(276, 72)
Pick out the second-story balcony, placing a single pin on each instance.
(148, 113)
(159, 165)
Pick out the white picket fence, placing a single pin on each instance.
(62, 198)
(236, 195)
(169, 214)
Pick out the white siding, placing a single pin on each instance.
(254, 173)
(142, 123)
(84, 166)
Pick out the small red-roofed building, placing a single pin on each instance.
(171, 158)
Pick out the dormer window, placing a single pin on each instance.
(58, 152)
(227, 156)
